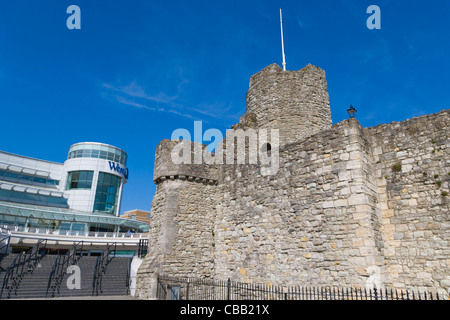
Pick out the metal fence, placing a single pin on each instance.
(170, 288)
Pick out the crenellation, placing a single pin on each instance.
(165, 168)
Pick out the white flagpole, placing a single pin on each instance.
(282, 41)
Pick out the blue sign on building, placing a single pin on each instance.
(117, 168)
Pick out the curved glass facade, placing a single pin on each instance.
(107, 193)
(97, 150)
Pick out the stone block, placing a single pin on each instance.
(356, 199)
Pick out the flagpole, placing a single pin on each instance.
(282, 41)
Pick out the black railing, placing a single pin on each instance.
(142, 248)
(22, 264)
(60, 266)
(128, 279)
(100, 267)
(5, 240)
(170, 288)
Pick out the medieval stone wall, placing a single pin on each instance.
(312, 222)
(412, 169)
(348, 206)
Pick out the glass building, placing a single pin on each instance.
(83, 194)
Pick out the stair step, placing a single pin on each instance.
(34, 284)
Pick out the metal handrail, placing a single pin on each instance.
(100, 267)
(6, 238)
(52, 272)
(35, 252)
(58, 267)
(9, 272)
(128, 280)
(21, 265)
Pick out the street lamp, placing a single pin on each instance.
(351, 112)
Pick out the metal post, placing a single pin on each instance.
(187, 290)
(282, 41)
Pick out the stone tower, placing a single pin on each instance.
(295, 102)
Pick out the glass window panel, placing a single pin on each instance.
(79, 180)
(33, 222)
(75, 175)
(9, 219)
(4, 193)
(80, 185)
(20, 221)
(40, 180)
(29, 197)
(65, 226)
(52, 182)
(12, 175)
(107, 193)
(95, 153)
(78, 226)
(69, 181)
(83, 175)
(86, 153)
(110, 198)
(26, 178)
(42, 200)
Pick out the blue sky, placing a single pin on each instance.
(138, 70)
